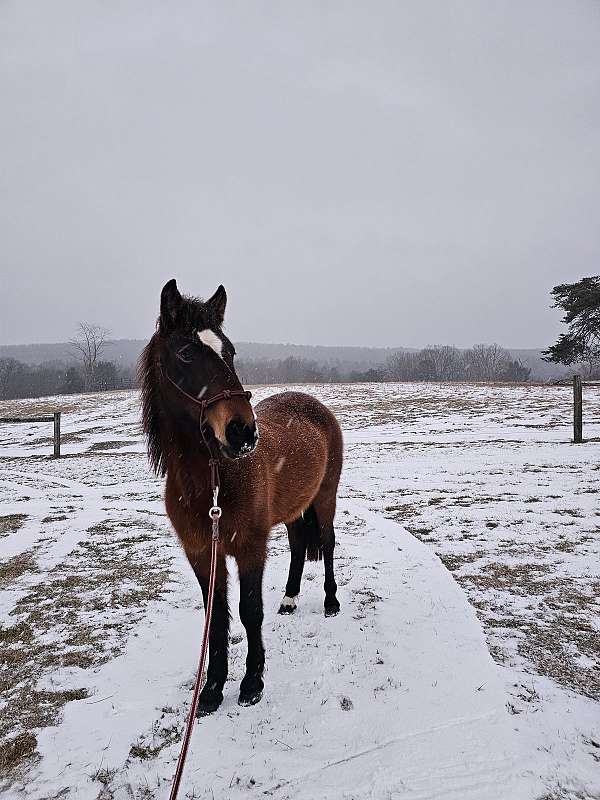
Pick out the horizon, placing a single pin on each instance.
(295, 344)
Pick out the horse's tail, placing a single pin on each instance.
(312, 532)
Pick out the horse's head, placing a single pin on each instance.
(197, 362)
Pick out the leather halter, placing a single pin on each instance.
(226, 394)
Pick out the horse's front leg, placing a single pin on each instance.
(251, 615)
(211, 695)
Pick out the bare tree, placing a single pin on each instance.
(403, 366)
(487, 362)
(446, 360)
(88, 346)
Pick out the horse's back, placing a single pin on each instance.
(301, 446)
(299, 405)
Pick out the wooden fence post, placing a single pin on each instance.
(57, 434)
(577, 410)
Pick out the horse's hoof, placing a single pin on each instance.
(332, 609)
(210, 700)
(250, 698)
(288, 605)
(251, 690)
(286, 609)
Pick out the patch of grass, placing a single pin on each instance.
(16, 751)
(523, 579)
(160, 736)
(560, 793)
(21, 632)
(568, 512)
(552, 638)
(107, 446)
(456, 560)
(400, 512)
(104, 776)
(419, 530)
(10, 523)
(17, 566)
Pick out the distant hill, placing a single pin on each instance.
(125, 352)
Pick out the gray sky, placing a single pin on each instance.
(355, 173)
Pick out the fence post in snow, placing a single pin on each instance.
(577, 410)
(57, 434)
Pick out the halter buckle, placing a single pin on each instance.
(215, 512)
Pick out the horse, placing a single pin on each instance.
(278, 463)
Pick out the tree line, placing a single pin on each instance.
(442, 363)
(484, 362)
(437, 363)
(24, 380)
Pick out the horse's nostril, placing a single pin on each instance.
(240, 436)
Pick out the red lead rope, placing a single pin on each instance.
(215, 514)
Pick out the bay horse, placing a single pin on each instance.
(279, 463)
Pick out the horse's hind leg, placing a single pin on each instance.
(324, 505)
(297, 539)
(332, 605)
(251, 615)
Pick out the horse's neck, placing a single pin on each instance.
(191, 469)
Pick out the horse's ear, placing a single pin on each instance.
(170, 303)
(217, 304)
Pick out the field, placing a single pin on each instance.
(465, 662)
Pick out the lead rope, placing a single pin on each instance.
(215, 515)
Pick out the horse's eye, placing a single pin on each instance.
(184, 354)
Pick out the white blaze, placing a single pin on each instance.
(210, 339)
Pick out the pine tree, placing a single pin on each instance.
(581, 343)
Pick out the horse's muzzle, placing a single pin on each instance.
(241, 438)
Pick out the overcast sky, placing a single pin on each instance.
(363, 173)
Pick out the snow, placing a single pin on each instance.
(398, 696)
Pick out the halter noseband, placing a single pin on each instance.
(226, 394)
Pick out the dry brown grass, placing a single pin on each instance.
(17, 566)
(16, 751)
(10, 523)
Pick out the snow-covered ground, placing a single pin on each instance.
(398, 696)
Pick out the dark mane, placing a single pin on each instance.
(149, 377)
